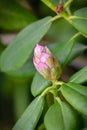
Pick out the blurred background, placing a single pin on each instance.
(15, 15)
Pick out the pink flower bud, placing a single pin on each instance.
(45, 63)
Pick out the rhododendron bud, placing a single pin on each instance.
(45, 63)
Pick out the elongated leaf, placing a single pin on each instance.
(80, 20)
(80, 76)
(39, 84)
(77, 50)
(76, 95)
(18, 52)
(13, 16)
(27, 70)
(61, 116)
(63, 50)
(31, 116)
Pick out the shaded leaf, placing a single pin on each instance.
(77, 50)
(13, 16)
(39, 84)
(30, 117)
(76, 95)
(63, 50)
(55, 118)
(17, 53)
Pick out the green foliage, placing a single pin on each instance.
(13, 16)
(77, 51)
(57, 104)
(26, 71)
(76, 95)
(80, 77)
(61, 116)
(39, 84)
(79, 20)
(29, 119)
(17, 53)
(63, 50)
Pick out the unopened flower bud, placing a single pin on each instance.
(45, 63)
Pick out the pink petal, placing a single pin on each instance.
(38, 50)
(42, 65)
(44, 57)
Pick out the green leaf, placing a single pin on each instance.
(80, 76)
(2, 47)
(76, 95)
(17, 53)
(63, 51)
(59, 27)
(77, 50)
(30, 117)
(79, 20)
(41, 127)
(26, 71)
(13, 16)
(39, 84)
(61, 116)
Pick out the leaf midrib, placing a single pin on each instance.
(75, 90)
(76, 77)
(77, 17)
(62, 115)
